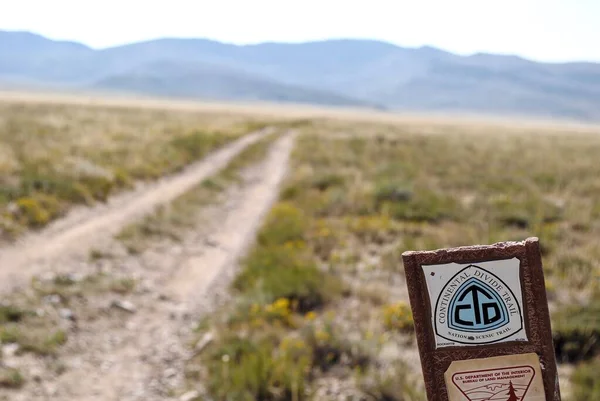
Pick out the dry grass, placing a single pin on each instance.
(300, 111)
(358, 196)
(53, 156)
(321, 299)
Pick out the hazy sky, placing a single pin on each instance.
(552, 30)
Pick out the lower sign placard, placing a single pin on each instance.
(503, 378)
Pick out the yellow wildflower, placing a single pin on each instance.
(322, 335)
(398, 316)
(282, 304)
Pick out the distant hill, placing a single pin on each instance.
(198, 80)
(335, 72)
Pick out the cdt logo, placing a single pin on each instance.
(472, 305)
(476, 307)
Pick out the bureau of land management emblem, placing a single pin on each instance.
(504, 378)
(476, 304)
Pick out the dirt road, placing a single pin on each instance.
(83, 229)
(140, 354)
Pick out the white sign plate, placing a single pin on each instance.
(476, 304)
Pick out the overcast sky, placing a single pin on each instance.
(551, 30)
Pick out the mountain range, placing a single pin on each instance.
(344, 72)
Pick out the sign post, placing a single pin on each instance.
(482, 322)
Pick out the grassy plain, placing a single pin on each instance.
(320, 304)
(321, 301)
(54, 156)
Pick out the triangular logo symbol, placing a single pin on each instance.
(502, 384)
(476, 307)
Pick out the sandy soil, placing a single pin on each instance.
(86, 228)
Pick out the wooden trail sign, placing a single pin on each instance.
(482, 322)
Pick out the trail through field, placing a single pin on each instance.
(85, 228)
(138, 351)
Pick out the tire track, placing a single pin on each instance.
(77, 233)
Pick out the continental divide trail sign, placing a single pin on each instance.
(482, 322)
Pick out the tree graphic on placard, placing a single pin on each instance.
(512, 396)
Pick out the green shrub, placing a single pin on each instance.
(244, 370)
(11, 378)
(79, 193)
(577, 332)
(293, 190)
(38, 210)
(11, 313)
(575, 268)
(283, 272)
(99, 187)
(66, 188)
(425, 206)
(324, 182)
(42, 343)
(122, 178)
(391, 192)
(399, 317)
(285, 223)
(33, 336)
(254, 315)
(196, 144)
(281, 266)
(32, 212)
(586, 382)
(525, 211)
(323, 237)
(330, 347)
(9, 334)
(372, 229)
